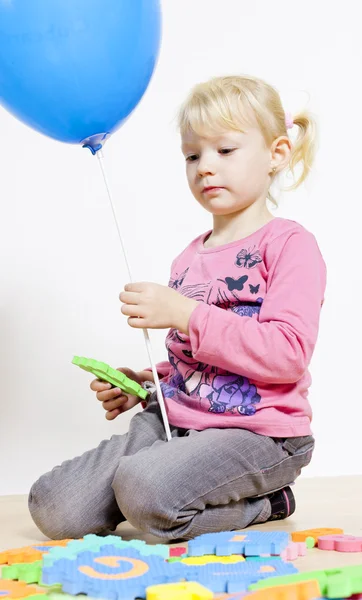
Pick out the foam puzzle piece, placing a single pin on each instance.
(264, 559)
(333, 583)
(178, 552)
(61, 596)
(26, 572)
(179, 591)
(304, 590)
(114, 573)
(248, 543)
(340, 543)
(107, 373)
(94, 543)
(353, 597)
(228, 578)
(19, 589)
(207, 559)
(294, 550)
(28, 554)
(237, 596)
(123, 574)
(301, 536)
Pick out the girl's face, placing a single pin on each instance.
(228, 172)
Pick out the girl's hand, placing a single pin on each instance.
(114, 401)
(154, 306)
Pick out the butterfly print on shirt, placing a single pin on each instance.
(248, 258)
(177, 283)
(235, 284)
(254, 288)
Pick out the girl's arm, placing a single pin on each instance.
(163, 369)
(278, 347)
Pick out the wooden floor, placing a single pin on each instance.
(321, 502)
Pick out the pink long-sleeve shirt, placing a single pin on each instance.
(252, 335)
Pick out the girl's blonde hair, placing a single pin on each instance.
(225, 102)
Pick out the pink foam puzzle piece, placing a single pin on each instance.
(294, 550)
(340, 543)
(178, 551)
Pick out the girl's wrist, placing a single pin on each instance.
(146, 376)
(186, 308)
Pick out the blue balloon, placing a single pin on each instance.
(75, 69)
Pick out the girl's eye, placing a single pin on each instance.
(226, 150)
(191, 158)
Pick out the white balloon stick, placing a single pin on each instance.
(145, 331)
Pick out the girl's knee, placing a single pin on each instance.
(142, 498)
(53, 509)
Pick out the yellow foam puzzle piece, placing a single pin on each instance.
(210, 558)
(187, 590)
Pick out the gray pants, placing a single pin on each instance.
(199, 482)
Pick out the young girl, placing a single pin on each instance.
(242, 308)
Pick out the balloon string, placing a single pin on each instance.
(145, 331)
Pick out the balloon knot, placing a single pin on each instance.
(94, 149)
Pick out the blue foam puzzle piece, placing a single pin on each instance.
(248, 543)
(89, 572)
(237, 577)
(85, 574)
(95, 543)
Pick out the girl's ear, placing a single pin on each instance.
(280, 153)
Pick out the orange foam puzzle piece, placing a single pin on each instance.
(304, 590)
(28, 554)
(18, 589)
(301, 536)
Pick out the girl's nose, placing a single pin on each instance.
(205, 167)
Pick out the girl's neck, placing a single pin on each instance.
(230, 228)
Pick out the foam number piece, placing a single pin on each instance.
(305, 590)
(179, 591)
(29, 553)
(301, 536)
(334, 583)
(115, 573)
(107, 373)
(340, 543)
(76, 70)
(251, 543)
(294, 550)
(18, 589)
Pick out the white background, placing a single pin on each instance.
(61, 267)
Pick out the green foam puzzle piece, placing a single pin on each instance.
(333, 583)
(28, 572)
(103, 371)
(175, 559)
